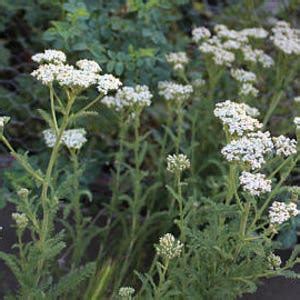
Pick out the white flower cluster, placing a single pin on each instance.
(285, 38)
(297, 99)
(280, 212)
(247, 89)
(226, 42)
(108, 82)
(20, 219)
(255, 184)
(52, 68)
(237, 117)
(220, 55)
(50, 56)
(258, 33)
(72, 138)
(285, 146)
(126, 292)
(177, 59)
(174, 91)
(177, 163)
(274, 261)
(242, 75)
(129, 97)
(200, 33)
(257, 56)
(297, 122)
(250, 149)
(88, 65)
(169, 247)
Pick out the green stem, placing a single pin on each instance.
(162, 279)
(53, 110)
(119, 160)
(179, 111)
(90, 104)
(274, 103)
(44, 195)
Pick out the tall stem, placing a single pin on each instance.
(44, 195)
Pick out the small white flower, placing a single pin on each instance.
(177, 163)
(200, 33)
(250, 149)
(297, 99)
(46, 73)
(285, 146)
(50, 56)
(297, 122)
(286, 38)
(280, 212)
(3, 121)
(20, 219)
(274, 261)
(108, 83)
(258, 33)
(238, 117)
(177, 59)
(174, 91)
(126, 292)
(129, 97)
(247, 89)
(255, 184)
(72, 138)
(49, 137)
(169, 247)
(88, 66)
(70, 77)
(243, 75)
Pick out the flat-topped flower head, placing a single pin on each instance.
(129, 98)
(177, 163)
(250, 149)
(274, 261)
(285, 146)
(50, 56)
(255, 184)
(73, 78)
(169, 247)
(126, 292)
(257, 56)
(72, 138)
(280, 212)
(46, 73)
(297, 99)
(20, 219)
(77, 78)
(200, 33)
(237, 117)
(220, 56)
(88, 66)
(242, 75)
(285, 38)
(173, 91)
(177, 59)
(107, 83)
(257, 33)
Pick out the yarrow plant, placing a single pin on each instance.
(216, 201)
